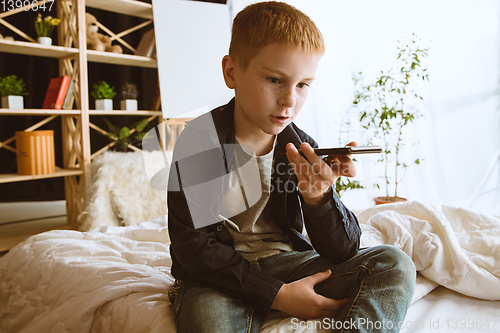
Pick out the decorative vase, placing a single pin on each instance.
(45, 40)
(104, 104)
(386, 200)
(128, 104)
(35, 152)
(13, 102)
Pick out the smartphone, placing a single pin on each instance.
(349, 150)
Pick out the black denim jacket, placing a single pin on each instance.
(206, 253)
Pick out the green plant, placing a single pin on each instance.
(125, 136)
(389, 104)
(129, 91)
(45, 26)
(102, 90)
(341, 186)
(11, 85)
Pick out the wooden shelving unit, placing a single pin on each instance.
(35, 49)
(124, 113)
(126, 7)
(10, 178)
(39, 112)
(121, 59)
(73, 59)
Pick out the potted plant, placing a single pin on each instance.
(388, 105)
(44, 27)
(12, 90)
(343, 184)
(103, 95)
(129, 95)
(126, 136)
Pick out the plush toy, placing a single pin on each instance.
(97, 41)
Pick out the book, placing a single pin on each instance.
(146, 46)
(68, 99)
(56, 92)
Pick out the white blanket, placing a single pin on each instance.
(115, 279)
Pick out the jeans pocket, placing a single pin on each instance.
(175, 294)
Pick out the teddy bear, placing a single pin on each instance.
(97, 41)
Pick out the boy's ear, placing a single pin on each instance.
(229, 70)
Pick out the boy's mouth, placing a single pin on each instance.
(280, 119)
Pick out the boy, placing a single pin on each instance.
(237, 205)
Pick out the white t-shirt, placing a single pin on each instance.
(255, 234)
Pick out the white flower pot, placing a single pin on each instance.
(13, 102)
(45, 40)
(104, 104)
(128, 104)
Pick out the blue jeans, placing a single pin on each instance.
(379, 282)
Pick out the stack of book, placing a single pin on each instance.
(59, 93)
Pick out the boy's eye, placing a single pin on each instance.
(302, 85)
(274, 80)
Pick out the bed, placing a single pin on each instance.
(115, 277)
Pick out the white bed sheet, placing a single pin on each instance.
(115, 279)
(446, 311)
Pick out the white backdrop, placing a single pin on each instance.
(460, 133)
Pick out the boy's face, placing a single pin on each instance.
(271, 91)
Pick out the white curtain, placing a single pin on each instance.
(459, 135)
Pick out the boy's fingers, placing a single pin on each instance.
(296, 161)
(299, 163)
(319, 277)
(331, 304)
(316, 166)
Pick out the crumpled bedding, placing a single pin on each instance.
(115, 279)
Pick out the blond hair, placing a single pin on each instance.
(264, 23)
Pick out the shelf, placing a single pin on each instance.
(14, 177)
(124, 113)
(126, 7)
(38, 112)
(36, 49)
(121, 59)
(59, 52)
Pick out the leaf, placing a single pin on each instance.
(112, 128)
(124, 133)
(141, 125)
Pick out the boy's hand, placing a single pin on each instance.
(316, 176)
(299, 299)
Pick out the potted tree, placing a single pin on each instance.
(126, 136)
(12, 90)
(129, 95)
(44, 27)
(344, 184)
(103, 95)
(388, 105)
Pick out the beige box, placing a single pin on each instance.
(35, 152)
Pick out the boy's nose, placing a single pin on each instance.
(287, 98)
